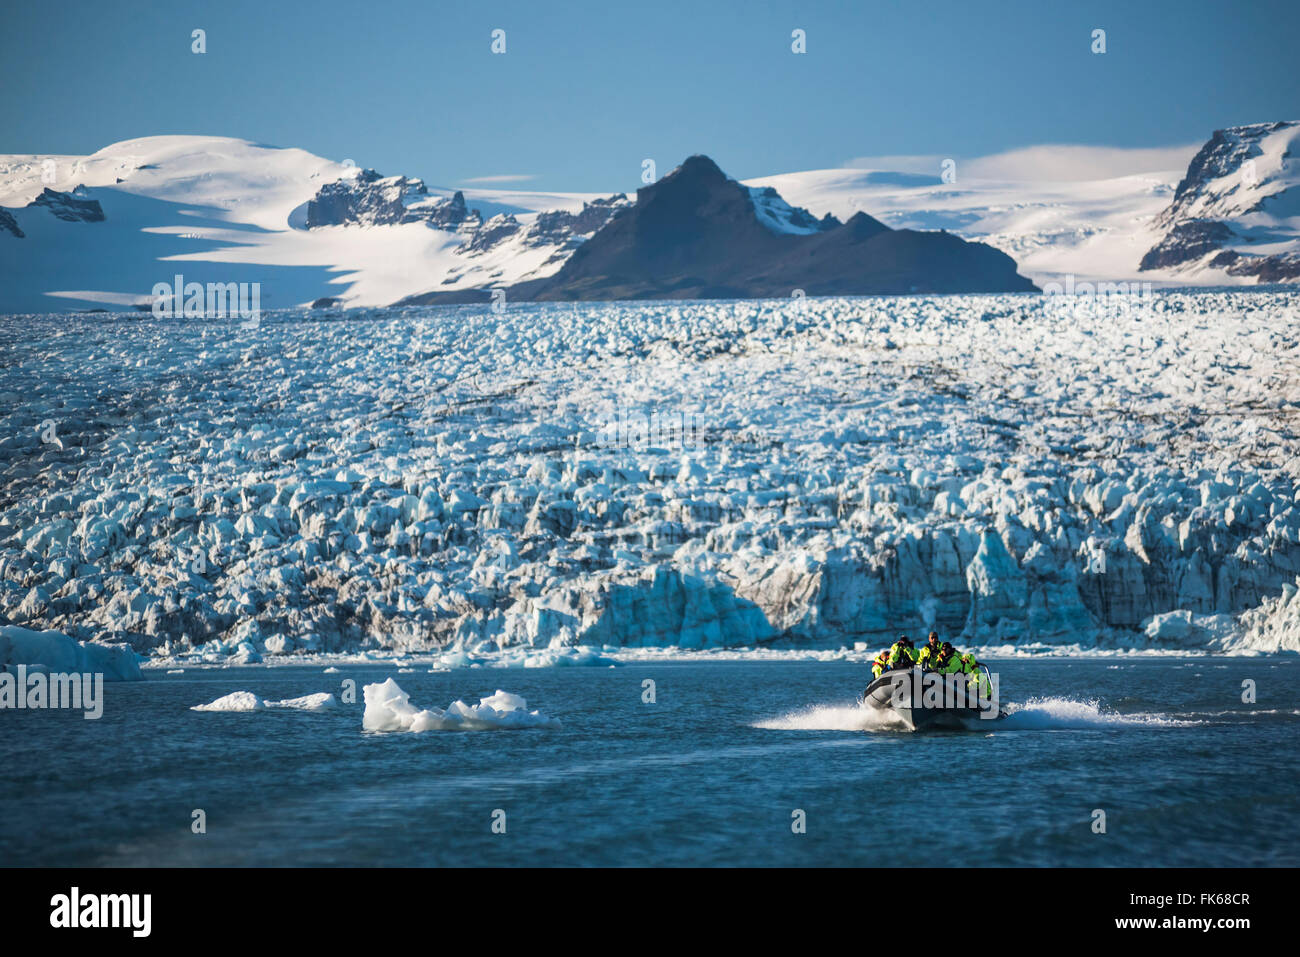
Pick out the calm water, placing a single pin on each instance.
(709, 775)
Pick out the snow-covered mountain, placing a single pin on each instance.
(102, 230)
(224, 210)
(698, 234)
(1238, 208)
(1092, 229)
(1231, 217)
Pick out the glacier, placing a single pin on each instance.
(434, 481)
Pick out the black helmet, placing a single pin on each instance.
(946, 646)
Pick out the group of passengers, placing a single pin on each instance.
(934, 655)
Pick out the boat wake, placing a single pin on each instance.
(1049, 714)
(835, 717)
(1036, 714)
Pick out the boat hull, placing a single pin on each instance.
(901, 693)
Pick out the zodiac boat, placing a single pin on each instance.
(924, 699)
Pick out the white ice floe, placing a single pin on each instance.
(388, 708)
(247, 701)
(312, 702)
(235, 701)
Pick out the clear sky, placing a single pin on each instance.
(586, 91)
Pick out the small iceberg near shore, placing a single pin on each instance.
(389, 708)
(53, 651)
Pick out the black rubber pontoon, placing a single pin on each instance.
(926, 699)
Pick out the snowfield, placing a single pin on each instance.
(226, 210)
(468, 485)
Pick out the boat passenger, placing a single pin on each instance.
(978, 679)
(928, 650)
(946, 661)
(902, 654)
(880, 665)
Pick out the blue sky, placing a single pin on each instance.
(586, 91)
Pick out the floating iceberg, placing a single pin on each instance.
(311, 702)
(236, 701)
(56, 652)
(389, 708)
(247, 701)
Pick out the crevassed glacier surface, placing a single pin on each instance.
(698, 475)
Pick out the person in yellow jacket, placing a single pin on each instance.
(978, 679)
(946, 662)
(902, 654)
(880, 664)
(928, 650)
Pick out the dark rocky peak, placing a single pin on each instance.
(1225, 151)
(558, 225)
(698, 234)
(442, 213)
(695, 182)
(455, 210)
(779, 216)
(1213, 220)
(496, 230)
(9, 225)
(698, 168)
(70, 207)
(370, 199)
(861, 226)
(1224, 154)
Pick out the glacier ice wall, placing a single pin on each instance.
(997, 467)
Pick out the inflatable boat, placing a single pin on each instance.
(923, 699)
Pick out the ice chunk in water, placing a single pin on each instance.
(310, 702)
(236, 701)
(504, 701)
(389, 708)
(247, 701)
